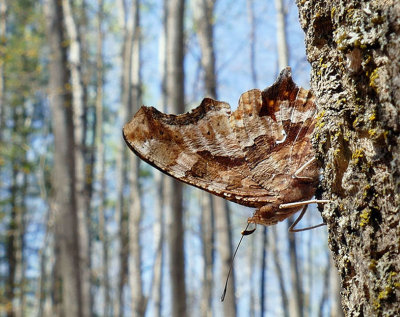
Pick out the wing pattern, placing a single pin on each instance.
(248, 156)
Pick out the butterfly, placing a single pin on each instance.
(258, 156)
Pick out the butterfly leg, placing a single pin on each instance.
(304, 202)
(302, 168)
(300, 203)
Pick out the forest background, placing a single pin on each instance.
(104, 247)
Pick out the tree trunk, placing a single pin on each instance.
(296, 299)
(253, 41)
(138, 302)
(224, 247)
(20, 232)
(296, 302)
(326, 288)
(334, 285)
(3, 41)
(82, 197)
(203, 11)
(43, 297)
(45, 305)
(262, 297)
(158, 234)
(121, 207)
(353, 48)
(174, 189)
(207, 238)
(64, 203)
(264, 270)
(159, 180)
(11, 249)
(283, 52)
(279, 273)
(99, 143)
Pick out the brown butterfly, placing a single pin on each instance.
(258, 156)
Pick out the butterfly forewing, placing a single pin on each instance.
(198, 148)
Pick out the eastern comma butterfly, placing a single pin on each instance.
(258, 156)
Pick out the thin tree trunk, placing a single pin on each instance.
(262, 290)
(20, 225)
(43, 298)
(82, 198)
(334, 286)
(64, 202)
(159, 180)
(88, 148)
(103, 236)
(283, 59)
(207, 237)
(203, 11)
(263, 295)
(121, 219)
(353, 49)
(15, 282)
(224, 247)
(253, 41)
(138, 301)
(121, 207)
(297, 289)
(3, 42)
(174, 189)
(279, 273)
(283, 52)
(325, 288)
(11, 246)
(44, 301)
(8, 287)
(158, 234)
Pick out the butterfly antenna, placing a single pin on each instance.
(245, 232)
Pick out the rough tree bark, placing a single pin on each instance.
(353, 47)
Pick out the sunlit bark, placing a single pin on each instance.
(353, 47)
